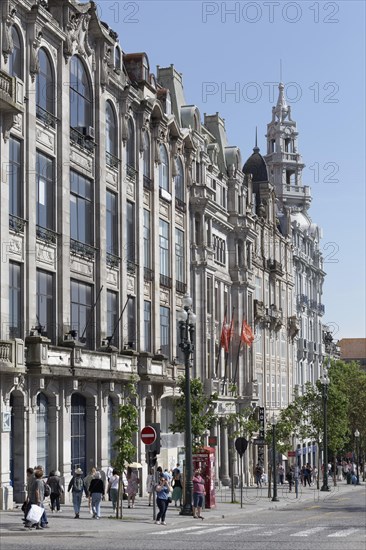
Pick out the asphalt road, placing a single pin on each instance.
(319, 522)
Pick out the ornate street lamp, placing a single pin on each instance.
(325, 383)
(357, 435)
(187, 321)
(274, 454)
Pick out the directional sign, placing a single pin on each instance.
(148, 435)
(259, 442)
(291, 453)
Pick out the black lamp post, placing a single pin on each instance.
(325, 383)
(187, 321)
(357, 436)
(274, 454)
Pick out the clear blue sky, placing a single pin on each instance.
(322, 48)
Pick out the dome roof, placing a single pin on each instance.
(256, 166)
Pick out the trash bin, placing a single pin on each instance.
(349, 478)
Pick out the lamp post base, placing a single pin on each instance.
(186, 510)
(275, 499)
(325, 488)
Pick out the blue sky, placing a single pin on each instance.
(322, 48)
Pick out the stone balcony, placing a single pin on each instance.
(11, 94)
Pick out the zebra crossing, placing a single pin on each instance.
(233, 529)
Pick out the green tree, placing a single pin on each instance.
(125, 434)
(203, 415)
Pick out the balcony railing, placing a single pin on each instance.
(165, 281)
(16, 224)
(148, 274)
(85, 142)
(302, 299)
(147, 183)
(131, 172)
(82, 249)
(113, 261)
(180, 205)
(321, 308)
(131, 267)
(112, 161)
(181, 287)
(46, 235)
(47, 118)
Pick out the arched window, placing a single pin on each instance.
(45, 88)
(111, 136)
(15, 58)
(42, 431)
(164, 169)
(131, 144)
(78, 432)
(80, 97)
(147, 160)
(179, 182)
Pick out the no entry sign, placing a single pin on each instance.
(148, 435)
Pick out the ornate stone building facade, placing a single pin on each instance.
(117, 199)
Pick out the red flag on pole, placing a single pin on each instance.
(246, 336)
(226, 334)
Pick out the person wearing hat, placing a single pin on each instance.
(57, 489)
(77, 487)
(162, 498)
(96, 491)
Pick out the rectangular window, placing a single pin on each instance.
(46, 303)
(131, 323)
(164, 248)
(165, 330)
(217, 303)
(209, 295)
(45, 192)
(147, 325)
(82, 318)
(267, 390)
(15, 301)
(273, 390)
(15, 179)
(130, 235)
(283, 390)
(112, 224)
(260, 389)
(81, 208)
(112, 317)
(179, 256)
(147, 240)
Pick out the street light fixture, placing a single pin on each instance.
(357, 435)
(274, 454)
(187, 321)
(325, 383)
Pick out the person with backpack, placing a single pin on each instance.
(76, 486)
(57, 489)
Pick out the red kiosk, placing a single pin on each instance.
(205, 460)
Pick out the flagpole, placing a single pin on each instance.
(237, 357)
(227, 353)
(218, 354)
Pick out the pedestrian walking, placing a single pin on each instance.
(150, 481)
(113, 488)
(87, 481)
(258, 471)
(177, 486)
(36, 496)
(57, 489)
(307, 474)
(96, 490)
(162, 495)
(281, 474)
(290, 478)
(77, 487)
(198, 493)
(132, 486)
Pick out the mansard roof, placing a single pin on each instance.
(256, 166)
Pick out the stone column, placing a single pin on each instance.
(6, 490)
(224, 458)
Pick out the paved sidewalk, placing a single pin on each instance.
(254, 501)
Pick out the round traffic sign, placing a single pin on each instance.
(148, 435)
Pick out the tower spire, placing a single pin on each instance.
(281, 110)
(256, 148)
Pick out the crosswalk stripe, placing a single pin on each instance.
(307, 532)
(344, 533)
(170, 531)
(274, 531)
(225, 527)
(241, 530)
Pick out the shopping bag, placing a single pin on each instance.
(35, 513)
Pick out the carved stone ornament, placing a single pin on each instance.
(77, 35)
(9, 120)
(8, 44)
(34, 61)
(293, 326)
(104, 68)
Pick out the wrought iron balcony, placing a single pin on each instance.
(181, 287)
(47, 118)
(148, 274)
(113, 261)
(302, 299)
(112, 161)
(82, 249)
(275, 267)
(165, 281)
(131, 267)
(16, 224)
(147, 183)
(131, 172)
(180, 205)
(46, 235)
(83, 141)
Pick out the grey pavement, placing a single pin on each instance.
(254, 501)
